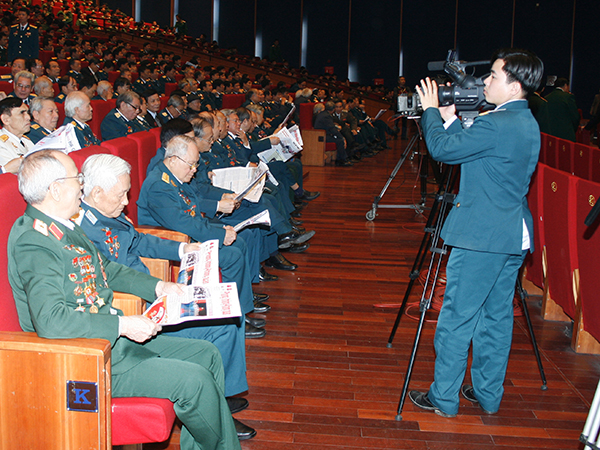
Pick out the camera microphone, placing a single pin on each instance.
(436, 66)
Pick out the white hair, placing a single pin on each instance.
(103, 86)
(41, 83)
(37, 172)
(178, 146)
(103, 170)
(74, 100)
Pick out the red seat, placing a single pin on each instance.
(127, 149)
(64, 66)
(560, 247)
(306, 116)
(79, 156)
(61, 113)
(146, 145)
(233, 101)
(134, 420)
(6, 87)
(56, 89)
(582, 167)
(112, 76)
(156, 133)
(551, 151)
(5, 70)
(163, 103)
(101, 109)
(45, 56)
(564, 155)
(587, 194)
(595, 164)
(533, 262)
(170, 87)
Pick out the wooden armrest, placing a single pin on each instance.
(163, 233)
(36, 374)
(131, 305)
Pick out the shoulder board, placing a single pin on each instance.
(33, 26)
(14, 26)
(26, 137)
(3, 138)
(164, 114)
(56, 232)
(61, 96)
(117, 115)
(35, 126)
(165, 177)
(40, 227)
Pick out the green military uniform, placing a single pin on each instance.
(37, 132)
(85, 135)
(63, 288)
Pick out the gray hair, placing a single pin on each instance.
(74, 100)
(103, 86)
(126, 97)
(25, 74)
(103, 170)
(259, 110)
(199, 124)
(41, 83)
(227, 113)
(178, 146)
(37, 103)
(176, 101)
(37, 172)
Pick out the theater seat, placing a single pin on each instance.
(232, 101)
(533, 261)
(315, 151)
(146, 146)
(34, 373)
(582, 161)
(100, 109)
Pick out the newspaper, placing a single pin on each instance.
(289, 114)
(291, 143)
(62, 138)
(246, 182)
(262, 218)
(379, 114)
(204, 297)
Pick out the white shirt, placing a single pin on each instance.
(12, 147)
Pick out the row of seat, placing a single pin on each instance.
(575, 158)
(565, 262)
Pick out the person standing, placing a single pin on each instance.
(23, 39)
(490, 230)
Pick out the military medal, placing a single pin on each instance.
(94, 309)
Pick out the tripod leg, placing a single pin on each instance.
(536, 350)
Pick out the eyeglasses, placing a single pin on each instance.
(137, 108)
(24, 86)
(192, 166)
(80, 177)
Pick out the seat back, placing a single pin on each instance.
(582, 164)
(232, 101)
(127, 149)
(564, 155)
(533, 261)
(587, 239)
(558, 224)
(101, 109)
(79, 156)
(170, 87)
(306, 116)
(549, 150)
(156, 133)
(12, 206)
(61, 113)
(146, 145)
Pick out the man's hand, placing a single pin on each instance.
(242, 135)
(210, 174)
(428, 92)
(226, 196)
(166, 287)
(138, 328)
(226, 205)
(230, 235)
(194, 247)
(274, 140)
(13, 165)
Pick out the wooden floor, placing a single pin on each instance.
(323, 378)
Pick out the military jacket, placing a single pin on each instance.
(12, 147)
(85, 135)
(37, 133)
(115, 125)
(23, 43)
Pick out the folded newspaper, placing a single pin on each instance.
(246, 182)
(204, 297)
(63, 138)
(290, 144)
(262, 218)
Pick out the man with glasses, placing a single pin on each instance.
(174, 109)
(23, 86)
(15, 119)
(121, 121)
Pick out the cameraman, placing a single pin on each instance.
(490, 229)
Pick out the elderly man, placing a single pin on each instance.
(43, 87)
(104, 91)
(175, 107)
(44, 112)
(15, 123)
(167, 199)
(106, 188)
(120, 121)
(48, 291)
(78, 111)
(23, 86)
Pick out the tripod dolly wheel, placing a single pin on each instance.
(370, 215)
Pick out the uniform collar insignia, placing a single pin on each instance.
(56, 232)
(40, 227)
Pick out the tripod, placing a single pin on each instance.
(443, 201)
(422, 175)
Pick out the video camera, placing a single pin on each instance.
(466, 91)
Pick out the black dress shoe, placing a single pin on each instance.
(279, 262)
(295, 221)
(256, 322)
(421, 400)
(260, 297)
(263, 275)
(294, 237)
(243, 431)
(297, 248)
(299, 204)
(298, 228)
(468, 392)
(254, 333)
(261, 307)
(236, 404)
(307, 196)
(296, 214)
(343, 163)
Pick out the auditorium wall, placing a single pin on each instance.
(377, 39)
